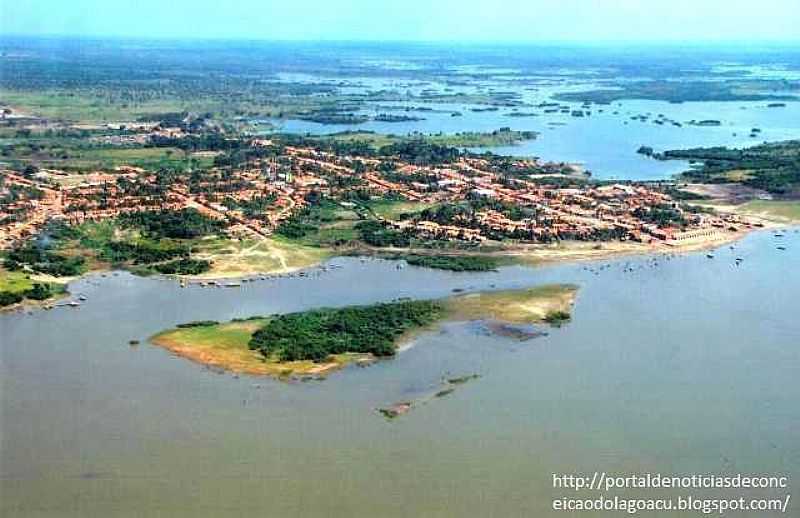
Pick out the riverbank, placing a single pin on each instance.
(226, 346)
(572, 251)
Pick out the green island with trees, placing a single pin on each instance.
(317, 341)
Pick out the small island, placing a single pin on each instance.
(318, 341)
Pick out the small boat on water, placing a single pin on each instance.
(781, 248)
(231, 285)
(82, 297)
(710, 256)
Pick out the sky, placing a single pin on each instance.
(415, 20)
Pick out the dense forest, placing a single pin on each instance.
(182, 224)
(317, 334)
(43, 259)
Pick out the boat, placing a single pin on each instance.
(781, 248)
(710, 256)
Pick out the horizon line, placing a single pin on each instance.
(576, 42)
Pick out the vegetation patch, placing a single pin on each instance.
(184, 267)
(15, 287)
(455, 263)
(675, 92)
(322, 224)
(527, 306)
(784, 211)
(43, 259)
(315, 335)
(145, 242)
(226, 346)
(774, 167)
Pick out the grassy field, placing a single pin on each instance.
(81, 106)
(527, 306)
(20, 284)
(503, 137)
(70, 154)
(374, 139)
(333, 226)
(482, 139)
(391, 209)
(225, 345)
(87, 105)
(14, 282)
(784, 211)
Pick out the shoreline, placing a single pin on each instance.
(526, 255)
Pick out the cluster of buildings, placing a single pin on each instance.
(256, 197)
(587, 212)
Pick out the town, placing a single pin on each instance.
(521, 199)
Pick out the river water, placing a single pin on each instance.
(606, 142)
(679, 365)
